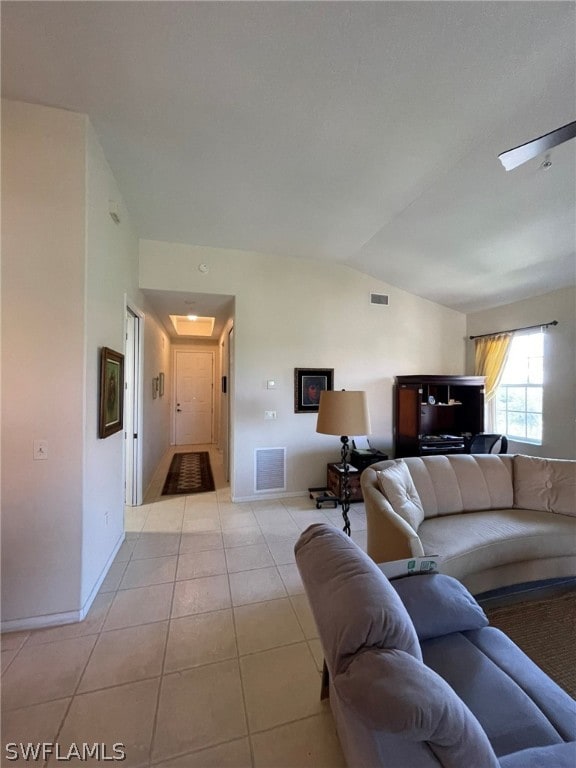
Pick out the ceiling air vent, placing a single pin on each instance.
(379, 298)
(270, 469)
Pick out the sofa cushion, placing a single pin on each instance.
(439, 604)
(436, 485)
(352, 602)
(397, 485)
(395, 693)
(471, 543)
(555, 703)
(507, 712)
(453, 484)
(485, 481)
(548, 485)
(554, 756)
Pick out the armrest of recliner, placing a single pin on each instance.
(390, 537)
(394, 692)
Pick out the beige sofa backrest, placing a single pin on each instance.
(548, 485)
(452, 484)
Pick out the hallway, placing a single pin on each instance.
(154, 491)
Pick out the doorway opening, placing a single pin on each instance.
(189, 309)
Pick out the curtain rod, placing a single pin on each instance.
(513, 330)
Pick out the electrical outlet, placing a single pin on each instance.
(40, 450)
(268, 415)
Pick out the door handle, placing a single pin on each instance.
(178, 410)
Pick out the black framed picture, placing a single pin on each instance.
(111, 392)
(308, 383)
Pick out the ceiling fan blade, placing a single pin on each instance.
(512, 158)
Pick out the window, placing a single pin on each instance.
(519, 396)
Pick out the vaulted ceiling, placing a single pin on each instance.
(359, 133)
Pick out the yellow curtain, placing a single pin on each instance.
(491, 354)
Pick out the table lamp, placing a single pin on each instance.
(343, 412)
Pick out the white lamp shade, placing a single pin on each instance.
(343, 412)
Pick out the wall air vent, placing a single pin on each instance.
(379, 298)
(270, 469)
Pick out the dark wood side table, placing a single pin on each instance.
(334, 475)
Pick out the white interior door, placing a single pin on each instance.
(228, 403)
(194, 393)
(132, 414)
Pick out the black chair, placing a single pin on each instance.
(486, 443)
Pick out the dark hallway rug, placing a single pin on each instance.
(546, 632)
(189, 473)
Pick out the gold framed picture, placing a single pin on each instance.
(111, 392)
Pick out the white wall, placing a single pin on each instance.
(43, 377)
(291, 314)
(111, 276)
(559, 406)
(67, 270)
(157, 411)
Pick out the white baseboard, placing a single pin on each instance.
(68, 617)
(41, 622)
(94, 591)
(269, 496)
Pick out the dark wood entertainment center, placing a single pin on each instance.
(436, 414)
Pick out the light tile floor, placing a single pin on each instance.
(200, 650)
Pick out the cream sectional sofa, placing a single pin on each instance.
(493, 520)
